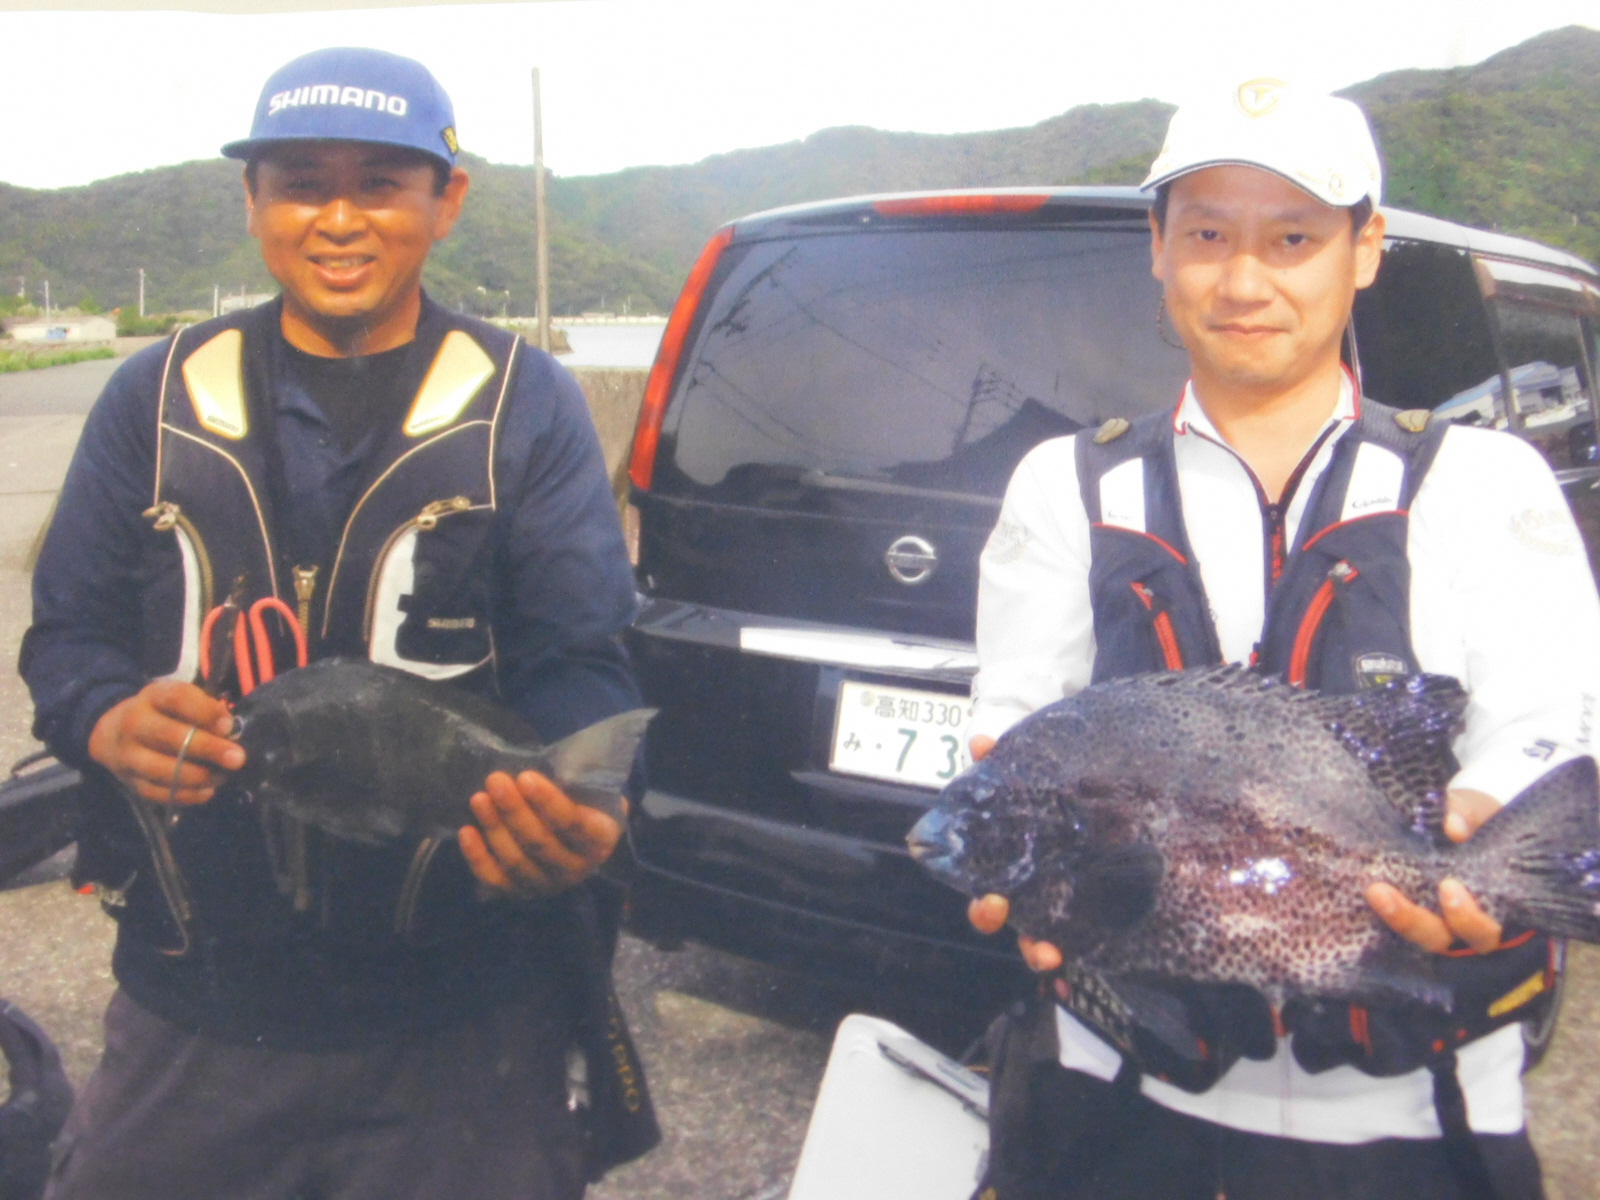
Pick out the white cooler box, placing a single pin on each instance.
(894, 1120)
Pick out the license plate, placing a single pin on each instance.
(900, 734)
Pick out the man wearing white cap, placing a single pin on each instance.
(1227, 531)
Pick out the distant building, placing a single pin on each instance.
(230, 304)
(62, 329)
(1543, 393)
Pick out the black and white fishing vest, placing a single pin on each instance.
(1338, 620)
(408, 587)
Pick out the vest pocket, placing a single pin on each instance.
(1161, 626)
(1134, 633)
(1353, 632)
(428, 599)
(1340, 575)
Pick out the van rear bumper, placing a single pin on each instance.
(801, 899)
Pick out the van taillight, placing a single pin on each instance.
(958, 206)
(647, 433)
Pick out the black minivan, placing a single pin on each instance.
(840, 397)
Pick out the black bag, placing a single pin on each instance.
(1033, 1100)
(36, 1109)
(39, 813)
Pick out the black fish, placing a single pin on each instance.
(1218, 826)
(371, 753)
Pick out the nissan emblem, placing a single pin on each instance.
(911, 560)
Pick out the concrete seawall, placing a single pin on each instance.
(614, 396)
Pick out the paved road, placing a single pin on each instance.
(735, 1051)
(54, 391)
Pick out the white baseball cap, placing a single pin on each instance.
(1319, 143)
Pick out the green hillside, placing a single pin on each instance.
(1508, 144)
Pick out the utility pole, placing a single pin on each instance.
(541, 236)
(216, 300)
(47, 301)
(141, 292)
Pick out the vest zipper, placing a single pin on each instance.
(305, 587)
(165, 515)
(1162, 624)
(1339, 575)
(428, 518)
(1274, 514)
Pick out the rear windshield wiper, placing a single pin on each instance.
(846, 483)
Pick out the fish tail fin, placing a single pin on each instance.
(1542, 853)
(593, 765)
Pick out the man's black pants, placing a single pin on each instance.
(476, 1112)
(1095, 1141)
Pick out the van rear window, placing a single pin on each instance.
(916, 360)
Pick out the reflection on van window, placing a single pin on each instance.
(1422, 332)
(928, 359)
(1551, 392)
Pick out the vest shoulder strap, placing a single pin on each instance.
(1114, 443)
(1414, 434)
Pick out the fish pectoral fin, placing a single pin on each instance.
(1116, 887)
(593, 764)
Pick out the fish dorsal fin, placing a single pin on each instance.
(1230, 676)
(593, 765)
(1402, 733)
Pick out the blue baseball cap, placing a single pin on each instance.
(351, 94)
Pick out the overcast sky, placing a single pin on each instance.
(627, 82)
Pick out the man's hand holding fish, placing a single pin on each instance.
(168, 743)
(533, 839)
(1459, 917)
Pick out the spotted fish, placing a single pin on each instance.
(1218, 826)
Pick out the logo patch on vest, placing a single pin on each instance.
(459, 369)
(1375, 670)
(214, 375)
(1122, 496)
(1376, 482)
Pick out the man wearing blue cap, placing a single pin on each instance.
(1276, 517)
(300, 1016)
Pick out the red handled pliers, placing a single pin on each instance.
(249, 632)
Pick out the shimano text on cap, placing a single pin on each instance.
(1319, 143)
(353, 95)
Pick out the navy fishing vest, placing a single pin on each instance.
(1338, 612)
(408, 587)
(1338, 619)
